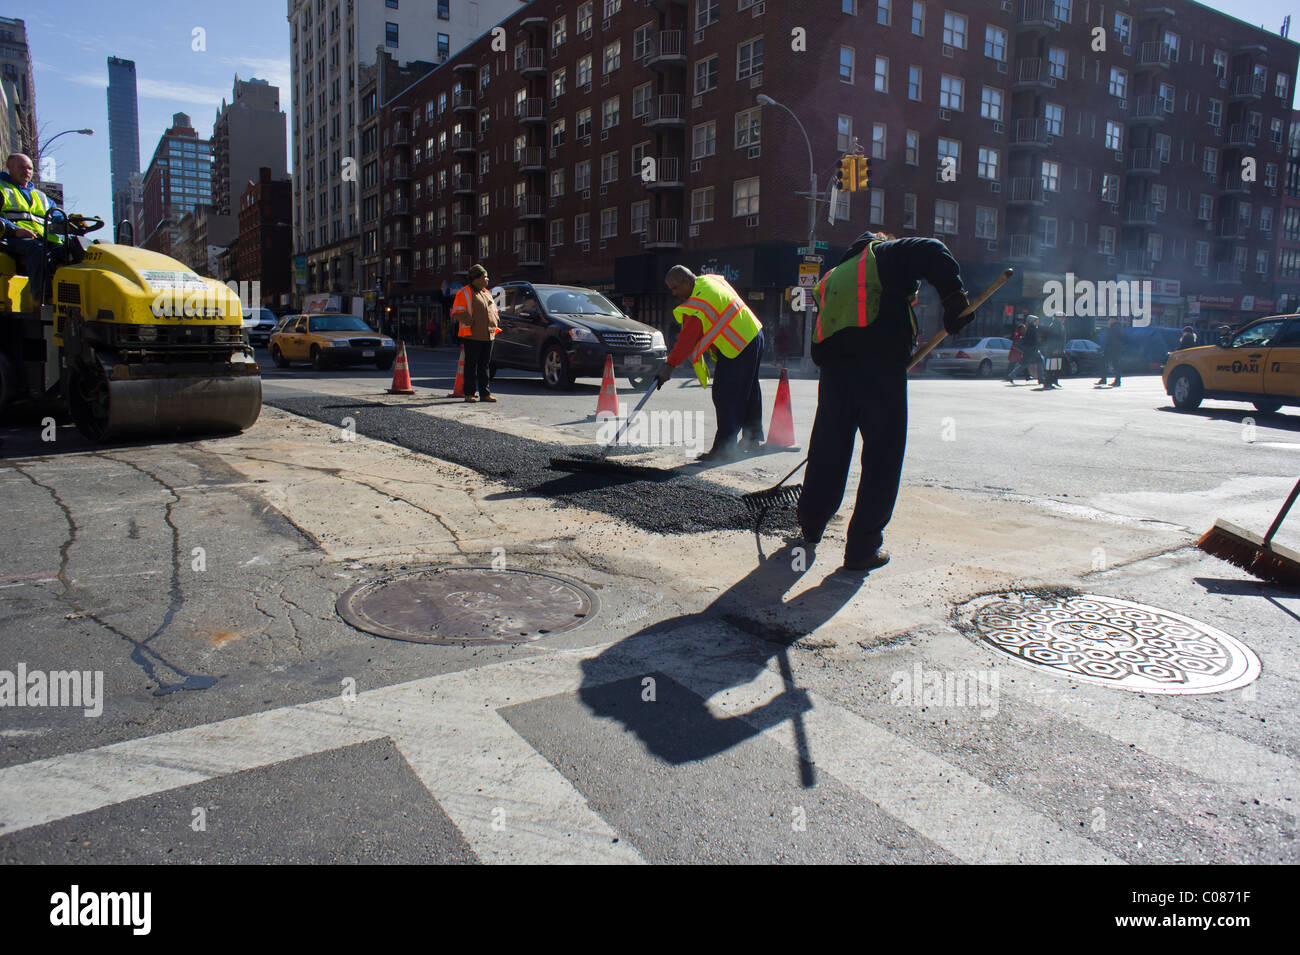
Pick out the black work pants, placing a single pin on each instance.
(737, 397)
(855, 399)
(1110, 363)
(477, 356)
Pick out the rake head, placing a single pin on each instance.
(759, 502)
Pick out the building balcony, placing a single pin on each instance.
(1025, 190)
(1230, 228)
(665, 112)
(400, 207)
(1149, 108)
(463, 185)
(460, 264)
(531, 62)
(463, 101)
(1030, 133)
(1154, 55)
(664, 234)
(665, 4)
(1137, 261)
(462, 225)
(531, 207)
(668, 174)
(1140, 214)
(1024, 248)
(1228, 272)
(400, 170)
(1033, 72)
(401, 136)
(530, 254)
(1143, 162)
(1037, 16)
(1240, 135)
(531, 110)
(1233, 184)
(400, 276)
(462, 142)
(665, 50)
(531, 159)
(534, 23)
(1248, 86)
(401, 240)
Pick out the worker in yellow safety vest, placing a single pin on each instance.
(22, 218)
(714, 316)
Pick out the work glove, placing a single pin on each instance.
(663, 374)
(953, 305)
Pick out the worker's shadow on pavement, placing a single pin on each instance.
(675, 724)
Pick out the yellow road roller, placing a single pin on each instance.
(131, 343)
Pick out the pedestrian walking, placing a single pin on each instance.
(714, 316)
(1029, 357)
(1111, 352)
(475, 312)
(1053, 350)
(864, 337)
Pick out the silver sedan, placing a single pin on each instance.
(981, 357)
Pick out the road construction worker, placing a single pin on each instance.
(475, 312)
(864, 336)
(22, 218)
(713, 315)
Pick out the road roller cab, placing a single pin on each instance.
(133, 343)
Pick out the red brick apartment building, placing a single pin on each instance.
(264, 248)
(991, 123)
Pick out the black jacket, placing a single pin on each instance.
(1114, 340)
(888, 341)
(1029, 344)
(1054, 338)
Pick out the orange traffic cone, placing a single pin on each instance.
(401, 374)
(458, 389)
(608, 403)
(780, 433)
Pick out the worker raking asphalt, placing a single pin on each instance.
(679, 504)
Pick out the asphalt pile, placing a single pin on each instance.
(678, 504)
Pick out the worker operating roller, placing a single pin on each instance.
(863, 338)
(713, 315)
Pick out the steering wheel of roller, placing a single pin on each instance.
(83, 224)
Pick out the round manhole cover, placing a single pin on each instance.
(1114, 643)
(459, 604)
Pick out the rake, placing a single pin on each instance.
(760, 502)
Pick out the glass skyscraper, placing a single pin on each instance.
(123, 134)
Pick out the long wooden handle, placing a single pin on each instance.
(979, 300)
(639, 405)
(1277, 521)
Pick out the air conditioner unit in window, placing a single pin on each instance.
(604, 190)
(945, 114)
(697, 102)
(552, 152)
(1223, 83)
(1002, 67)
(1119, 155)
(751, 221)
(1007, 5)
(699, 36)
(586, 140)
(553, 102)
(1112, 259)
(602, 244)
(755, 151)
(693, 231)
(1123, 105)
(586, 194)
(604, 135)
(758, 9)
(756, 81)
(695, 166)
(999, 128)
(604, 24)
(1128, 49)
(947, 50)
(586, 87)
(586, 34)
(586, 247)
(995, 187)
(993, 246)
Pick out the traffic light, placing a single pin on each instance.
(863, 172)
(846, 179)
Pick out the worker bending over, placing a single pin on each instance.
(864, 336)
(713, 315)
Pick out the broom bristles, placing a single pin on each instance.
(1243, 549)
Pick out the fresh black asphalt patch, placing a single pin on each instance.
(676, 505)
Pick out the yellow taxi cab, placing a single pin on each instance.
(327, 339)
(1260, 364)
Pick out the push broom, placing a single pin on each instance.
(1259, 556)
(600, 462)
(760, 502)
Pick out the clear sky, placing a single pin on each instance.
(71, 41)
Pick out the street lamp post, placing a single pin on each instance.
(40, 149)
(806, 362)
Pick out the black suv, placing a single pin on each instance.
(565, 332)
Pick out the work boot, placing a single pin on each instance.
(470, 399)
(1102, 382)
(866, 564)
(1115, 383)
(720, 455)
(751, 445)
(488, 398)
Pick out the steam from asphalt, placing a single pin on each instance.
(680, 504)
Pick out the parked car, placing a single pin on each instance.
(328, 340)
(259, 323)
(1259, 364)
(981, 357)
(565, 332)
(1083, 357)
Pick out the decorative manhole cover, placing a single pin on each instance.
(459, 604)
(1114, 643)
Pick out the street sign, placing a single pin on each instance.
(808, 250)
(814, 258)
(808, 274)
(822, 246)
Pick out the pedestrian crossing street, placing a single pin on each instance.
(513, 805)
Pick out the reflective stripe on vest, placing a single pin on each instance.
(862, 284)
(730, 329)
(30, 216)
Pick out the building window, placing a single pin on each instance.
(557, 82)
(918, 18)
(559, 31)
(444, 46)
(702, 204)
(1114, 135)
(991, 104)
(1118, 83)
(582, 226)
(704, 140)
(1051, 176)
(609, 223)
(1163, 144)
(444, 9)
(1210, 160)
(641, 42)
(1106, 239)
(1054, 115)
(1156, 246)
(1220, 65)
(883, 12)
(842, 206)
(1171, 41)
(609, 168)
(583, 76)
(582, 176)
(557, 134)
(1048, 226)
(954, 30)
(641, 100)
(952, 91)
(609, 111)
(706, 75)
(706, 13)
(1110, 187)
(612, 57)
(612, 7)
(945, 217)
(582, 128)
(912, 150)
(584, 18)
(1058, 63)
(909, 211)
(949, 149)
(390, 35)
(557, 233)
(995, 43)
(846, 65)
(986, 223)
(987, 168)
(882, 74)
(1159, 196)
(748, 127)
(744, 197)
(843, 133)
(640, 216)
(749, 58)
(557, 183)
(876, 209)
(1215, 112)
